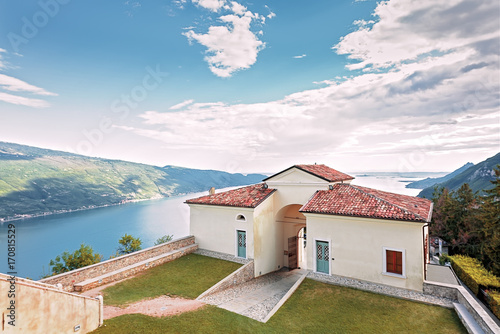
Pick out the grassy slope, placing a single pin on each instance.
(314, 308)
(478, 177)
(171, 279)
(35, 181)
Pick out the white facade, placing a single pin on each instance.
(356, 245)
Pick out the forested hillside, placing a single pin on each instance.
(36, 181)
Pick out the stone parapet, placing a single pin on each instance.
(69, 279)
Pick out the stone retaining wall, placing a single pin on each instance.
(462, 296)
(69, 279)
(239, 276)
(434, 289)
(133, 269)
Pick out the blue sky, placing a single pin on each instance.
(254, 86)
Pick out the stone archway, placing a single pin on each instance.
(292, 222)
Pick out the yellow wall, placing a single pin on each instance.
(40, 308)
(357, 247)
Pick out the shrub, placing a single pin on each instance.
(494, 301)
(443, 258)
(473, 274)
(82, 257)
(129, 244)
(164, 239)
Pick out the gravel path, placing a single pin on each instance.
(382, 289)
(157, 307)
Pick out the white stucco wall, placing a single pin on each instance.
(268, 238)
(357, 245)
(295, 187)
(214, 227)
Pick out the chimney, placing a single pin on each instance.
(211, 191)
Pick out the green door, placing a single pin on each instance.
(242, 244)
(322, 256)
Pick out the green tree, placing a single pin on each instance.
(490, 232)
(456, 219)
(82, 257)
(129, 244)
(164, 239)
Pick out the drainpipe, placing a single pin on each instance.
(425, 255)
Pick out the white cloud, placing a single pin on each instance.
(181, 105)
(16, 85)
(436, 101)
(14, 99)
(408, 29)
(213, 5)
(271, 13)
(299, 57)
(231, 47)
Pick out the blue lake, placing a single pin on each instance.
(38, 240)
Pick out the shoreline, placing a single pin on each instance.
(58, 212)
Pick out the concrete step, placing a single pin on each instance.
(467, 319)
(132, 269)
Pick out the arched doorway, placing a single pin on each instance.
(293, 222)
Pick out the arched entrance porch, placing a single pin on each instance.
(294, 236)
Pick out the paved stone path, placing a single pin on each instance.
(256, 298)
(442, 274)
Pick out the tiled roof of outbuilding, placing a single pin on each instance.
(350, 200)
(246, 197)
(322, 171)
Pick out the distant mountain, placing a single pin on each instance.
(35, 181)
(429, 182)
(478, 177)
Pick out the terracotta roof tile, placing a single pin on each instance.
(247, 197)
(350, 200)
(321, 171)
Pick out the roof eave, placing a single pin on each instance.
(365, 217)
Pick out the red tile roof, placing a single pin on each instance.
(350, 200)
(246, 197)
(321, 171)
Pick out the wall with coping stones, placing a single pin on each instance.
(239, 276)
(41, 308)
(133, 269)
(433, 289)
(463, 297)
(69, 279)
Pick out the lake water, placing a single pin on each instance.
(38, 240)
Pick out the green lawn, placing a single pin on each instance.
(188, 276)
(314, 308)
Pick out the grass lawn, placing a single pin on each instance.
(314, 308)
(188, 276)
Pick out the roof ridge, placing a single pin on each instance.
(386, 201)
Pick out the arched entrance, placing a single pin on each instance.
(293, 224)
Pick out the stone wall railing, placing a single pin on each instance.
(69, 279)
(461, 295)
(239, 276)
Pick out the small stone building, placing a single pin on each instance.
(310, 216)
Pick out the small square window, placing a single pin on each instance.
(394, 262)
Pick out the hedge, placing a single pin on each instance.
(473, 274)
(494, 301)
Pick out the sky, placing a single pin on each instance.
(255, 86)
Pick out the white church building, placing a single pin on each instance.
(310, 216)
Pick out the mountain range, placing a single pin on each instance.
(431, 181)
(35, 181)
(477, 176)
